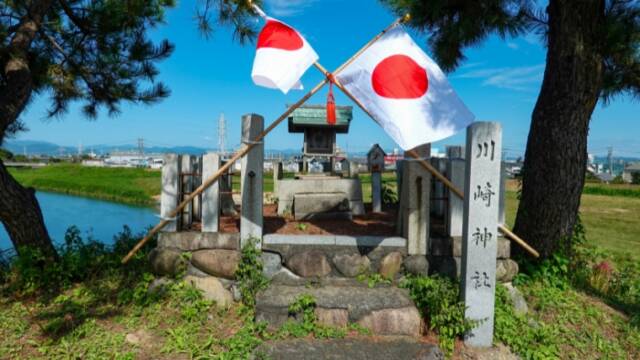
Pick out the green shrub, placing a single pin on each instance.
(438, 300)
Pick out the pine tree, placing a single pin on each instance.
(592, 55)
(95, 52)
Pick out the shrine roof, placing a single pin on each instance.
(315, 116)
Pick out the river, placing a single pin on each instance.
(101, 219)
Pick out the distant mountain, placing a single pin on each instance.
(35, 147)
(32, 147)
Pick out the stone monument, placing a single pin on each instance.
(480, 229)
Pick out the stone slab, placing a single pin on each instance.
(272, 304)
(340, 240)
(289, 188)
(321, 205)
(193, 240)
(350, 349)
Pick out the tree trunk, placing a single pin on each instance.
(22, 217)
(19, 209)
(556, 154)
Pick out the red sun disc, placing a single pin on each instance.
(399, 77)
(279, 36)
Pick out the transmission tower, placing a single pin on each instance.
(141, 147)
(610, 159)
(222, 134)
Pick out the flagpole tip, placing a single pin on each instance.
(406, 18)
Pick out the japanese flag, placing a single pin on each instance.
(405, 91)
(282, 57)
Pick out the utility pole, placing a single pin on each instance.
(610, 159)
(80, 149)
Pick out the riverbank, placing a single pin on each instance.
(125, 185)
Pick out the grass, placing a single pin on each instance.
(611, 222)
(127, 185)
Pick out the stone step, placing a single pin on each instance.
(383, 310)
(353, 349)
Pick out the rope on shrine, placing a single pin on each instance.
(331, 101)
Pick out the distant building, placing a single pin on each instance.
(629, 170)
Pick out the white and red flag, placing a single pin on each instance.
(405, 91)
(282, 56)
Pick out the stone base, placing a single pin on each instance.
(383, 310)
(289, 189)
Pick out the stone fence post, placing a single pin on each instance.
(480, 229)
(251, 181)
(169, 195)
(211, 196)
(413, 214)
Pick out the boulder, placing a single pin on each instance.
(517, 300)
(212, 289)
(271, 263)
(390, 265)
(352, 265)
(286, 277)
(219, 262)
(158, 285)
(506, 270)
(166, 261)
(194, 271)
(400, 321)
(417, 265)
(332, 317)
(309, 263)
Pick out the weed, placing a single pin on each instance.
(302, 226)
(249, 273)
(372, 279)
(437, 299)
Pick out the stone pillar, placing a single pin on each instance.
(456, 174)
(414, 207)
(503, 189)
(196, 181)
(211, 196)
(353, 169)
(169, 195)
(480, 229)
(439, 189)
(278, 174)
(251, 181)
(455, 151)
(376, 191)
(346, 168)
(186, 167)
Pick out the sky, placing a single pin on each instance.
(498, 81)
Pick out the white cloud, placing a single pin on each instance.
(524, 78)
(512, 45)
(284, 8)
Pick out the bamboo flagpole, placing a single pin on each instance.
(247, 147)
(422, 162)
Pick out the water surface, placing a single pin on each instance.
(100, 219)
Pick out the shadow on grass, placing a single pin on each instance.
(89, 282)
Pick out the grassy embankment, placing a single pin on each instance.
(131, 186)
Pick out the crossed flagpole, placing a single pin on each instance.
(329, 77)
